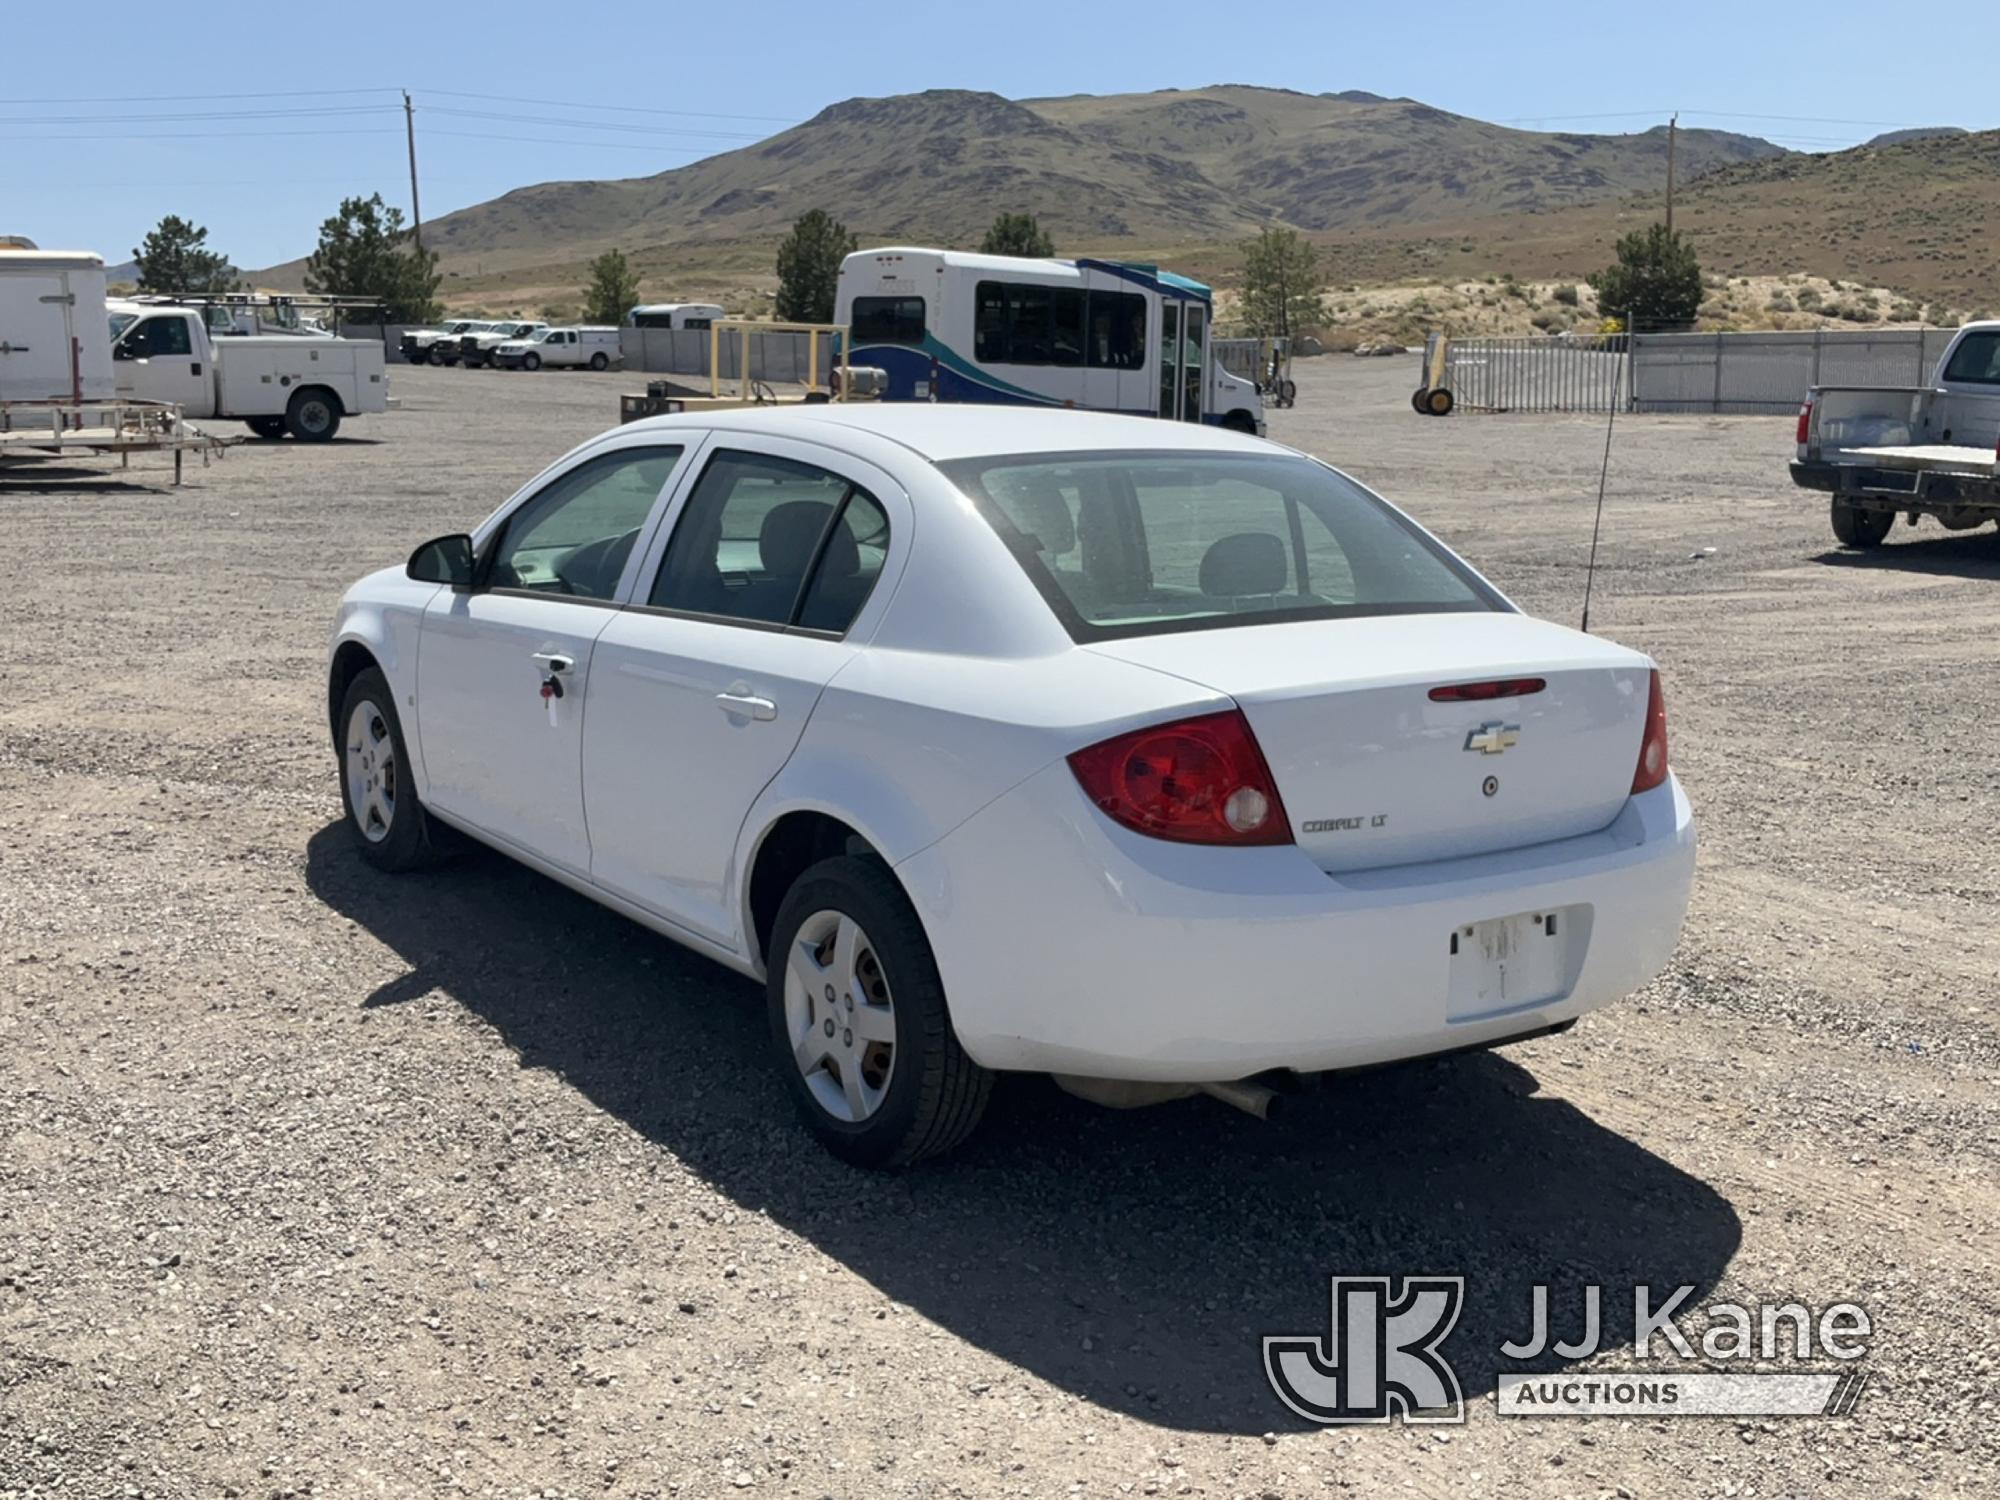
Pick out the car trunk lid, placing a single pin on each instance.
(1374, 771)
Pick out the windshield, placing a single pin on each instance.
(1135, 543)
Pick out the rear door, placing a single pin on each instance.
(775, 565)
(34, 338)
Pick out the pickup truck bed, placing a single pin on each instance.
(1881, 452)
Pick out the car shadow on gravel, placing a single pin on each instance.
(1132, 1259)
(1951, 555)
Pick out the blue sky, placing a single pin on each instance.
(93, 151)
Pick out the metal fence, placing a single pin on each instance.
(1534, 374)
(1682, 372)
(781, 358)
(1770, 372)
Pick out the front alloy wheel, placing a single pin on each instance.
(371, 772)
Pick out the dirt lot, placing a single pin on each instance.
(316, 1182)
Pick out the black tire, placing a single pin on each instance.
(935, 1094)
(436, 356)
(266, 427)
(1288, 392)
(1240, 421)
(600, 361)
(1858, 528)
(411, 839)
(1439, 402)
(1420, 401)
(313, 414)
(531, 361)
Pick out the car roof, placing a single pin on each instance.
(943, 431)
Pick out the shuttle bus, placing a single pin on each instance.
(1100, 334)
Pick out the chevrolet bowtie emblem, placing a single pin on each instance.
(1494, 738)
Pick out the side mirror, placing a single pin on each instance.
(444, 559)
(121, 351)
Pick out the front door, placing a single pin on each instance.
(701, 692)
(1194, 359)
(1170, 358)
(159, 359)
(504, 669)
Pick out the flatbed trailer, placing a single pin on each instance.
(53, 431)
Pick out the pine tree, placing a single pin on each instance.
(809, 267)
(1281, 285)
(1016, 234)
(613, 289)
(364, 251)
(175, 258)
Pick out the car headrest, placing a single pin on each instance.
(1244, 563)
(790, 531)
(1037, 507)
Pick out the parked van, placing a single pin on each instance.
(693, 315)
(1102, 334)
(561, 349)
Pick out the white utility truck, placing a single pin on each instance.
(1881, 451)
(303, 386)
(476, 349)
(560, 349)
(437, 345)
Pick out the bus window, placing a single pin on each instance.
(888, 320)
(1066, 330)
(1170, 347)
(1117, 331)
(989, 323)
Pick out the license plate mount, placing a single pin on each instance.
(1510, 963)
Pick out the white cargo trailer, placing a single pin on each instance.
(53, 342)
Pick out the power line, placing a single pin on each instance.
(629, 109)
(543, 140)
(187, 98)
(617, 125)
(206, 135)
(204, 114)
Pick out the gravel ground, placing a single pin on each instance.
(316, 1182)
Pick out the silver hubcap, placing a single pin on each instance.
(839, 1016)
(313, 416)
(371, 772)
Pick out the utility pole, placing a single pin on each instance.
(1673, 129)
(417, 213)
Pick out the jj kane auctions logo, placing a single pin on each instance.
(1381, 1356)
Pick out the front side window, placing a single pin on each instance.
(776, 542)
(888, 320)
(1976, 360)
(571, 540)
(1117, 331)
(155, 337)
(1124, 544)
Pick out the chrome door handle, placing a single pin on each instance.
(740, 700)
(555, 662)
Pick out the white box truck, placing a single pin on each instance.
(275, 385)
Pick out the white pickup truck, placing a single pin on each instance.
(560, 349)
(476, 349)
(281, 384)
(1884, 451)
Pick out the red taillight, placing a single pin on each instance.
(1653, 748)
(1198, 781)
(1805, 422)
(1474, 692)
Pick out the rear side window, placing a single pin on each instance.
(1124, 544)
(888, 320)
(1976, 360)
(774, 542)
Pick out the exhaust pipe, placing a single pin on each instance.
(1251, 1098)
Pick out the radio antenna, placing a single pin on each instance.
(1603, 475)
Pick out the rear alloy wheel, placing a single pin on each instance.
(600, 361)
(859, 1023)
(1856, 527)
(531, 361)
(388, 822)
(312, 415)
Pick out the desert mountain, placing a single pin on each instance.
(1171, 167)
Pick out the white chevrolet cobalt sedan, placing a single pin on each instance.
(1152, 756)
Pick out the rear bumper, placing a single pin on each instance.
(1070, 945)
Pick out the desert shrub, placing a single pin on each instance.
(1566, 295)
(1779, 303)
(1853, 311)
(1905, 312)
(1809, 298)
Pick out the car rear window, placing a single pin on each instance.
(1135, 543)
